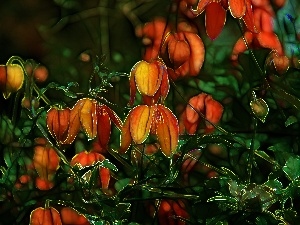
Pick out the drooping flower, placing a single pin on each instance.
(184, 54)
(151, 80)
(11, 79)
(153, 34)
(46, 162)
(87, 114)
(58, 121)
(203, 103)
(85, 159)
(215, 13)
(155, 119)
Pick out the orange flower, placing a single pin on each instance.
(215, 13)
(46, 162)
(11, 79)
(47, 215)
(205, 104)
(85, 159)
(153, 34)
(155, 119)
(265, 38)
(58, 123)
(94, 118)
(151, 80)
(184, 53)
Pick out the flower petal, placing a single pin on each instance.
(3, 78)
(178, 49)
(147, 77)
(248, 18)
(165, 85)
(215, 18)
(113, 116)
(237, 8)
(125, 135)
(140, 123)
(240, 46)
(270, 40)
(45, 161)
(132, 86)
(14, 79)
(200, 7)
(58, 123)
(88, 117)
(103, 127)
(193, 66)
(74, 124)
(213, 112)
(52, 122)
(104, 174)
(167, 130)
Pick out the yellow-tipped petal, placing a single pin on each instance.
(14, 80)
(88, 117)
(167, 130)
(140, 123)
(147, 77)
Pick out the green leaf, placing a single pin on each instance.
(106, 163)
(121, 184)
(292, 168)
(275, 185)
(290, 120)
(260, 221)
(265, 156)
(260, 109)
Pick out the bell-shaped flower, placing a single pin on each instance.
(87, 114)
(203, 103)
(11, 79)
(46, 163)
(86, 159)
(58, 121)
(184, 54)
(153, 34)
(155, 119)
(151, 80)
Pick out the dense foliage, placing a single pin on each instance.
(162, 112)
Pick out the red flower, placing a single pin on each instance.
(155, 119)
(215, 13)
(205, 104)
(265, 38)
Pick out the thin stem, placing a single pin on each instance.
(251, 152)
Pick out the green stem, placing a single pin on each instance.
(251, 152)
